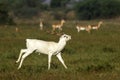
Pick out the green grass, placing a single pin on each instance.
(94, 56)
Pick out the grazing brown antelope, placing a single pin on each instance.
(41, 24)
(16, 29)
(96, 26)
(82, 28)
(58, 25)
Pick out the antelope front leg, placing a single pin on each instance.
(21, 52)
(61, 60)
(49, 60)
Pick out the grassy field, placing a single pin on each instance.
(94, 56)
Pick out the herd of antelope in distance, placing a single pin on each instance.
(89, 27)
(79, 27)
(60, 24)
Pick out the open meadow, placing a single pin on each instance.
(94, 56)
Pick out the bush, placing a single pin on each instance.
(5, 18)
(28, 8)
(58, 15)
(26, 12)
(71, 15)
(92, 9)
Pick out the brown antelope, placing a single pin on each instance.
(96, 26)
(16, 29)
(41, 24)
(58, 25)
(82, 28)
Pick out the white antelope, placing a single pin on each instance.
(46, 47)
(58, 25)
(41, 25)
(82, 28)
(96, 26)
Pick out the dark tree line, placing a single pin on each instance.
(4, 15)
(84, 9)
(92, 9)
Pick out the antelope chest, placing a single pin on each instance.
(82, 28)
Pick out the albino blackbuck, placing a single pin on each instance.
(45, 47)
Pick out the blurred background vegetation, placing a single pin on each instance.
(12, 10)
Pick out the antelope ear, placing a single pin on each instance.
(70, 37)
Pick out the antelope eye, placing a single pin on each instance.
(66, 36)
